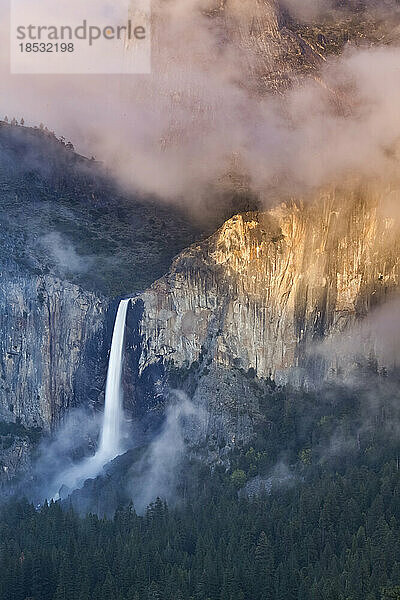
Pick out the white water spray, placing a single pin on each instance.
(110, 440)
(110, 444)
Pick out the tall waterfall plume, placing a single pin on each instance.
(110, 445)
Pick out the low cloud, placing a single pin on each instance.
(157, 474)
(308, 10)
(62, 254)
(373, 340)
(62, 453)
(181, 131)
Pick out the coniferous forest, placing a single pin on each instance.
(329, 531)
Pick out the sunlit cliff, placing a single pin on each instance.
(266, 288)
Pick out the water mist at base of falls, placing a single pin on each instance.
(110, 439)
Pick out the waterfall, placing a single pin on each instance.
(110, 443)
(110, 439)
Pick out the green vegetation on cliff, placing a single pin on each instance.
(61, 214)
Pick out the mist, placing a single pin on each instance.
(63, 254)
(182, 130)
(157, 473)
(74, 440)
(372, 341)
(311, 10)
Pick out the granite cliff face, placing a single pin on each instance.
(70, 241)
(274, 55)
(50, 348)
(260, 295)
(269, 51)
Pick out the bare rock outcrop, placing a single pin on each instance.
(50, 348)
(258, 298)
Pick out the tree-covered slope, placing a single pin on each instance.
(60, 213)
(331, 531)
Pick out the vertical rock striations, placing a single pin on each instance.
(267, 287)
(274, 56)
(50, 348)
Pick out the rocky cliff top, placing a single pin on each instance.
(267, 287)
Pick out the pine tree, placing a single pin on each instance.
(108, 591)
(264, 568)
